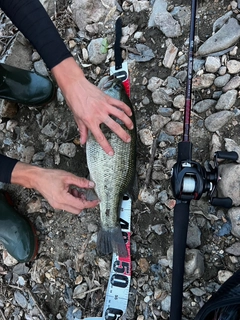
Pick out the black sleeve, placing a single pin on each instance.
(6, 168)
(30, 17)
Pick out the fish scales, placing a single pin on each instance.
(113, 176)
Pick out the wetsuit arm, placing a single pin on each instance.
(6, 167)
(30, 17)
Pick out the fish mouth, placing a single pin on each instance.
(106, 82)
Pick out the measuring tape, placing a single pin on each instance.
(120, 274)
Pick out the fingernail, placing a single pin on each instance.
(110, 153)
(128, 140)
(91, 184)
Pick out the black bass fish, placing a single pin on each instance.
(113, 175)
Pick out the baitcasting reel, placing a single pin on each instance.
(190, 180)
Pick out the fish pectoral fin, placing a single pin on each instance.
(111, 241)
(91, 195)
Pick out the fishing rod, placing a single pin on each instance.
(189, 181)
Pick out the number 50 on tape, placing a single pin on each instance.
(120, 275)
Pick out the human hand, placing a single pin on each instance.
(91, 106)
(55, 186)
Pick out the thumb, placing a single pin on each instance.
(79, 182)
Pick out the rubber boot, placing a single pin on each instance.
(25, 87)
(225, 303)
(17, 234)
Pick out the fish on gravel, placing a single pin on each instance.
(113, 175)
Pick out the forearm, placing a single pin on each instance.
(68, 74)
(32, 20)
(25, 175)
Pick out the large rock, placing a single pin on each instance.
(229, 184)
(221, 40)
(87, 12)
(49, 6)
(20, 53)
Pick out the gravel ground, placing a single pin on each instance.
(68, 278)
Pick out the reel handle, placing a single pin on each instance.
(231, 155)
(221, 202)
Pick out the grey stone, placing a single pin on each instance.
(165, 112)
(194, 264)
(173, 83)
(229, 184)
(234, 249)
(160, 96)
(203, 81)
(226, 100)
(168, 25)
(68, 149)
(50, 129)
(222, 80)
(231, 145)
(179, 101)
(20, 53)
(182, 14)
(165, 137)
(158, 122)
(234, 83)
(20, 299)
(198, 292)
(193, 236)
(198, 64)
(154, 83)
(158, 6)
(233, 66)
(50, 6)
(40, 68)
(221, 21)
(218, 120)
(222, 39)
(174, 128)
(212, 64)
(234, 215)
(204, 105)
(96, 53)
(91, 11)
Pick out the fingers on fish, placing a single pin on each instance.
(111, 240)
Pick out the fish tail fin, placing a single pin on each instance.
(111, 241)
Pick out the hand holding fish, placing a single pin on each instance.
(55, 185)
(91, 106)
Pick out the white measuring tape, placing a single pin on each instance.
(120, 275)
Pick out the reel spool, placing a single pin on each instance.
(190, 180)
